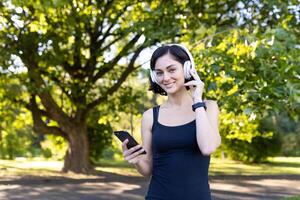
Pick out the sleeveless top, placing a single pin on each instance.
(180, 171)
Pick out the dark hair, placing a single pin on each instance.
(176, 52)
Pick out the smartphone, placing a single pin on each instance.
(123, 135)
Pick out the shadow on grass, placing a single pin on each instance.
(96, 176)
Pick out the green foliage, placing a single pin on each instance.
(99, 133)
(8, 144)
(53, 147)
(289, 131)
(252, 72)
(291, 144)
(100, 137)
(257, 151)
(252, 75)
(16, 137)
(244, 139)
(15, 123)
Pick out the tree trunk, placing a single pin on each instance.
(77, 156)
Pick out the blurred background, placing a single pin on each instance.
(71, 72)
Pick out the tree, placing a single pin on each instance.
(64, 45)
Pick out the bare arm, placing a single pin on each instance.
(207, 121)
(142, 162)
(207, 125)
(144, 166)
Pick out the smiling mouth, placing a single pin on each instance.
(169, 85)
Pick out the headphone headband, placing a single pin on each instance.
(187, 51)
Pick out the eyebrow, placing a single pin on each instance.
(167, 66)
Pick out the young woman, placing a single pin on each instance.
(180, 134)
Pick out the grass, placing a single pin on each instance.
(41, 167)
(37, 167)
(292, 198)
(274, 166)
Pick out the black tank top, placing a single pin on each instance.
(180, 171)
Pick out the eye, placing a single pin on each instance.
(172, 70)
(158, 73)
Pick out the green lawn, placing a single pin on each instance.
(274, 166)
(40, 167)
(292, 198)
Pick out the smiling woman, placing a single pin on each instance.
(180, 134)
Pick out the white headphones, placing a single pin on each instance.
(187, 66)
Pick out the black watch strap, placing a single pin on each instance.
(197, 105)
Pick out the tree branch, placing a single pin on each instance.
(91, 63)
(109, 66)
(39, 126)
(116, 86)
(47, 100)
(100, 24)
(28, 107)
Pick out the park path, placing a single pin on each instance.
(110, 186)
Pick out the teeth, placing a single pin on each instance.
(169, 85)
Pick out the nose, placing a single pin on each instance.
(166, 77)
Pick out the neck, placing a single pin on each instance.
(179, 99)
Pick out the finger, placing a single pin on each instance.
(194, 83)
(191, 83)
(132, 156)
(124, 144)
(128, 152)
(133, 149)
(134, 152)
(195, 74)
(133, 161)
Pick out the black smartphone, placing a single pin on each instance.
(123, 135)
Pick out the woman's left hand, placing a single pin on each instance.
(196, 86)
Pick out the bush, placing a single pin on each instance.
(15, 143)
(291, 144)
(100, 137)
(255, 151)
(53, 147)
(248, 140)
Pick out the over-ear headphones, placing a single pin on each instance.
(187, 66)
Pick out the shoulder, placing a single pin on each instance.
(147, 118)
(148, 114)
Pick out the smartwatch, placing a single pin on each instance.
(199, 104)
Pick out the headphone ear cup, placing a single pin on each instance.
(187, 69)
(153, 76)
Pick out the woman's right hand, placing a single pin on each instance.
(128, 154)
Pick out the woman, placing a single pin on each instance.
(180, 134)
